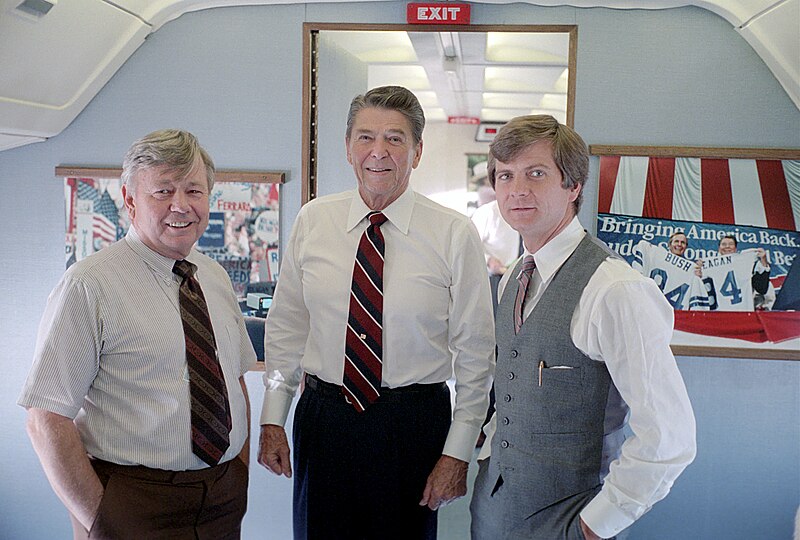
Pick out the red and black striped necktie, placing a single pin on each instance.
(210, 410)
(363, 354)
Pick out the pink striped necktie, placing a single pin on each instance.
(210, 411)
(524, 278)
(363, 354)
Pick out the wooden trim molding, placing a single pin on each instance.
(695, 152)
(735, 352)
(254, 177)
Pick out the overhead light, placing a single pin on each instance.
(37, 8)
(451, 45)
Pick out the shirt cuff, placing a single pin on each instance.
(604, 518)
(489, 430)
(275, 408)
(461, 441)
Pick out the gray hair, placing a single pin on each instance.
(570, 153)
(171, 148)
(393, 98)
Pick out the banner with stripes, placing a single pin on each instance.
(752, 192)
(755, 200)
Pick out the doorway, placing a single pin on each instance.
(461, 74)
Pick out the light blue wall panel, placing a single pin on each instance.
(233, 76)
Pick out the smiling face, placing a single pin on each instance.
(727, 246)
(678, 244)
(382, 151)
(531, 197)
(169, 214)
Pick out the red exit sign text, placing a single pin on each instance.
(437, 13)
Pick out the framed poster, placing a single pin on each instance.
(718, 229)
(242, 234)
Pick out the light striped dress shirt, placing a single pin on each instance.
(111, 355)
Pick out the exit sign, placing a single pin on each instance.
(437, 13)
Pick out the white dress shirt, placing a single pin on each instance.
(499, 239)
(624, 320)
(437, 313)
(111, 355)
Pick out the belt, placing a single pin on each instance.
(160, 476)
(387, 394)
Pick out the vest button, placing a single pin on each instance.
(506, 421)
(511, 376)
(514, 354)
(504, 444)
(507, 397)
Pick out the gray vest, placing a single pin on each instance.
(549, 439)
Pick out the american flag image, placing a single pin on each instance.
(105, 219)
(86, 189)
(755, 192)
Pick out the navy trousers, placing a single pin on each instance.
(360, 476)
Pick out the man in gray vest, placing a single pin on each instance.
(582, 348)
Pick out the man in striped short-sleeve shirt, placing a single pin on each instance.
(108, 396)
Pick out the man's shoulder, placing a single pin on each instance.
(328, 202)
(433, 210)
(599, 247)
(208, 264)
(615, 281)
(613, 269)
(108, 259)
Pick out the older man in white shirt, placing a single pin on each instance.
(376, 450)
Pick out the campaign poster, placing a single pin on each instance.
(752, 203)
(242, 235)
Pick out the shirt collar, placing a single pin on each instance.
(161, 265)
(398, 212)
(554, 253)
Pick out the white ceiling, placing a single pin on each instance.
(53, 65)
(488, 76)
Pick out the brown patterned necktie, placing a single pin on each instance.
(363, 354)
(524, 279)
(210, 411)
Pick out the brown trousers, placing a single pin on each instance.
(140, 502)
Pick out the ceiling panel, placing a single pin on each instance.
(94, 31)
(454, 68)
(527, 48)
(412, 77)
(526, 79)
(375, 47)
(775, 36)
(52, 66)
